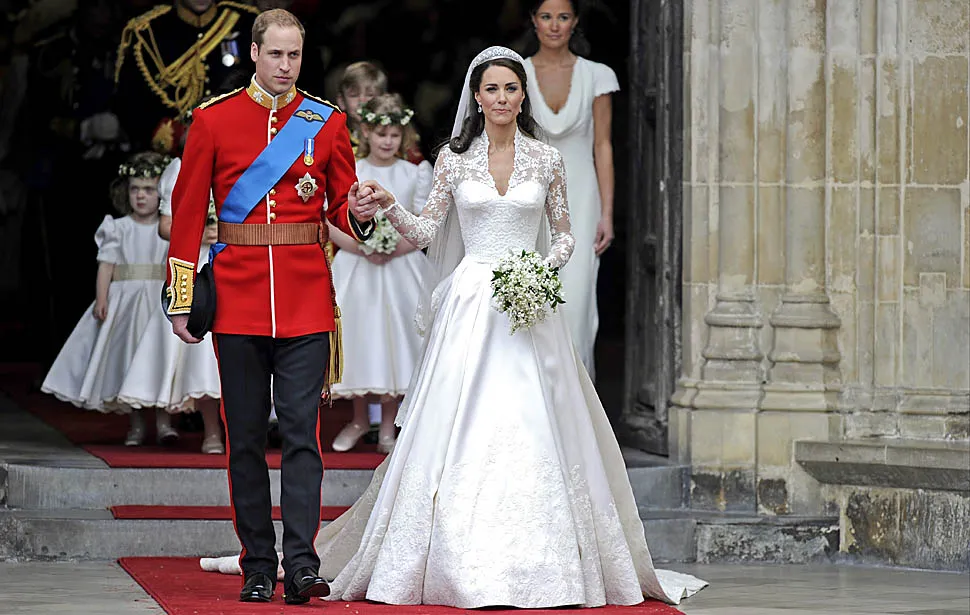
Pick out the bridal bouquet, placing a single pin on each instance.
(384, 239)
(526, 289)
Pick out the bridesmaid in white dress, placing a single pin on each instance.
(506, 486)
(92, 365)
(165, 371)
(571, 102)
(379, 292)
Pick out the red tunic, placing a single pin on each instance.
(279, 291)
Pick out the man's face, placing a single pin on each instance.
(197, 6)
(278, 59)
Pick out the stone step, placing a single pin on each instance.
(51, 487)
(96, 535)
(47, 487)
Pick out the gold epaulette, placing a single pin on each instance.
(136, 24)
(238, 5)
(318, 99)
(219, 98)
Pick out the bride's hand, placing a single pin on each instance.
(379, 195)
(604, 236)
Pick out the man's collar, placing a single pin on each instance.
(194, 19)
(264, 98)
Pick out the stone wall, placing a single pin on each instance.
(827, 235)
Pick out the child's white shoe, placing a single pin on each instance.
(136, 433)
(165, 434)
(348, 437)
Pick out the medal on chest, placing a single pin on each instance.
(306, 187)
(308, 151)
(229, 51)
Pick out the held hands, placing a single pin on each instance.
(180, 328)
(365, 198)
(604, 235)
(377, 258)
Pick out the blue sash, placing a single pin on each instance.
(271, 164)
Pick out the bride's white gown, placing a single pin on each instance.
(506, 486)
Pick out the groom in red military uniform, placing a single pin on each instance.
(273, 157)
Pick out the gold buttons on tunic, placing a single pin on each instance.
(273, 130)
(272, 203)
(274, 119)
(272, 216)
(272, 191)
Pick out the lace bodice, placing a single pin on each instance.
(492, 224)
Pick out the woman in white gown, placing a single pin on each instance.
(506, 486)
(571, 103)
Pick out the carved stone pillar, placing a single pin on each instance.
(728, 391)
(733, 355)
(804, 372)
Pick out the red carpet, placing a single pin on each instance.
(103, 435)
(182, 588)
(214, 513)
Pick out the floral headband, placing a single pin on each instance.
(395, 118)
(143, 169)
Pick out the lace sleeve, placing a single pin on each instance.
(557, 210)
(421, 230)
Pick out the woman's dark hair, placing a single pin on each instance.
(474, 124)
(578, 43)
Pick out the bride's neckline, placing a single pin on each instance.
(481, 151)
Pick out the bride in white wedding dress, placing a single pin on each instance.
(506, 486)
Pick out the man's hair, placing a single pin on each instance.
(362, 74)
(275, 17)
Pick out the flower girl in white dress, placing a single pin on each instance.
(166, 372)
(93, 363)
(379, 282)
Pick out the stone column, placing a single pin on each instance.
(732, 354)
(728, 392)
(804, 373)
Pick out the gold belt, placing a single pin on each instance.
(138, 272)
(268, 234)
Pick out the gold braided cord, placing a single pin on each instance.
(220, 97)
(318, 99)
(240, 6)
(186, 74)
(136, 24)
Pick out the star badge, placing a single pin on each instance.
(306, 187)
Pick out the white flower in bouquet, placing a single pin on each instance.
(384, 238)
(526, 289)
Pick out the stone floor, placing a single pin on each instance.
(105, 589)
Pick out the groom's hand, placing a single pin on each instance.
(180, 328)
(361, 203)
(378, 195)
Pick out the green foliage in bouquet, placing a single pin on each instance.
(526, 289)
(384, 239)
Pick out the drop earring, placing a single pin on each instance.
(479, 108)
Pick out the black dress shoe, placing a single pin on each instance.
(306, 584)
(257, 588)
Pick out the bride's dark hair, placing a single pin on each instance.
(474, 124)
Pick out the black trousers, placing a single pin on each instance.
(297, 365)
